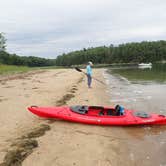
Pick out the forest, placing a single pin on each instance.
(146, 51)
(135, 52)
(13, 59)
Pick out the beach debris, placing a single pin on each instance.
(64, 99)
(23, 146)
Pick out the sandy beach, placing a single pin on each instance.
(65, 143)
(26, 139)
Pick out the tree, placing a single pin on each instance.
(124, 53)
(2, 42)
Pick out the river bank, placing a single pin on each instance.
(26, 139)
(66, 143)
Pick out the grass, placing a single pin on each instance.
(10, 69)
(52, 67)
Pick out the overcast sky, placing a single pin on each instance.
(48, 28)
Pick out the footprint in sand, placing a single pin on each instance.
(35, 88)
(38, 81)
(8, 86)
(1, 100)
(3, 83)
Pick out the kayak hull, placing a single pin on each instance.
(93, 116)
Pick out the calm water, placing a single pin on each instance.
(143, 90)
(156, 73)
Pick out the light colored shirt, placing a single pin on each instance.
(89, 70)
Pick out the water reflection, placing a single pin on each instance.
(142, 90)
(156, 73)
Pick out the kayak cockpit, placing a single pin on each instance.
(79, 109)
(98, 110)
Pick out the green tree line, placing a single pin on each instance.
(31, 61)
(13, 59)
(124, 53)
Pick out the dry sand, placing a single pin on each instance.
(66, 144)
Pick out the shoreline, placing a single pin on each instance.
(29, 138)
(72, 94)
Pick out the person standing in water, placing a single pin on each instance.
(89, 73)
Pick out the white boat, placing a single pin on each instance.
(145, 65)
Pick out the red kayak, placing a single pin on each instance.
(99, 115)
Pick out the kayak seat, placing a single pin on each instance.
(117, 110)
(79, 109)
(101, 113)
(83, 109)
(110, 112)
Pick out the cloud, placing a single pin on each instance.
(48, 28)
